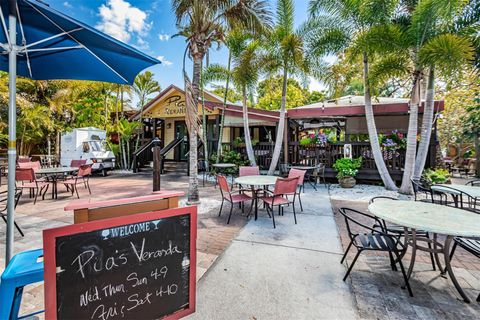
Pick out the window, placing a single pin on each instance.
(86, 147)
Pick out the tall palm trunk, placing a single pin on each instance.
(427, 123)
(372, 131)
(137, 142)
(409, 167)
(246, 129)
(281, 125)
(193, 195)
(204, 123)
(222, 120)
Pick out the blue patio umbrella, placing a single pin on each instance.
(41, 43)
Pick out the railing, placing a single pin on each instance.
(142, 156)
(311, 154)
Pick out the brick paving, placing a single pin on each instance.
(377, 288)
(214, 235)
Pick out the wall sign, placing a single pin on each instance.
(140, 266)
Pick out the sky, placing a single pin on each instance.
(149, 25)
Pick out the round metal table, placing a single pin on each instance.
(53, 174)
(433, 218)
(453, 190)
(255, 181)
(222, 167)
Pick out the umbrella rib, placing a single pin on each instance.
(52, 37)
(5, 30)
(24, 41)
(74, 39)
(59, 48)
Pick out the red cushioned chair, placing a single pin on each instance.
(301, 177)
(27, 180)
(279, 197)
(84, 172)
(232, 196)
(248, 171)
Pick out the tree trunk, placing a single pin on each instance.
(372, 131)
(409, 167)
(246, 129)
(204, 123)
(222, 121)
(427, 124)
(193, 195)
(477, 155)
(281, 125)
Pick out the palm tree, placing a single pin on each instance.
(245, 73)
(143, 86)
(285, 55)
(333, 27)
(420, 39)
(202, 22)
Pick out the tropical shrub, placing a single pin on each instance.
(230, 157)
(347, 167)
(436, 176)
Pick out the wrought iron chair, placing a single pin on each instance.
(279, 197)
(371, 239)
(463, 200)
(27, 180)
(471, 245)
(231, 196)
(400, 231)
(284, 169)
(83, 174)
(3, 201)
(301, 180)
(421, 187)
(473, 183)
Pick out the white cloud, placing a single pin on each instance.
(67, 4)
(164, 61)
(142, 44)
(120, 20)
(315, 85)
(163, 37)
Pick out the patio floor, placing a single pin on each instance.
(213, 232)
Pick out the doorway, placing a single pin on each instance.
(181, 150)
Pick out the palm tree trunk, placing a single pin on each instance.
(409, 167)
(137, 143)
(281, 125)
(246, 129)
(204, 123)
(193, 195)
(372, 131)
(222, 120)
(427, 124)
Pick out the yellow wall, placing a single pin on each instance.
(170, 134)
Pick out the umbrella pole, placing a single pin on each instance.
(12, 128)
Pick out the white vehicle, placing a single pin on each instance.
(87, 143)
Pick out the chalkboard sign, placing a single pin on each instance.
(134, 267)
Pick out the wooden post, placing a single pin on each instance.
(157, 164)
(286, 137)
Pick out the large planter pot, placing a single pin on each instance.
(347, 182)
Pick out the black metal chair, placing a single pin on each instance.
(463, 200)
(3, 210)
(400, 231)
(471, 245)
(421, 187)
(372, 239)
(473, 183)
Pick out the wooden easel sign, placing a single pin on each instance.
(140, 266)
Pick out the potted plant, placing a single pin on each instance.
(347, 169)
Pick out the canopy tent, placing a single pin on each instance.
(41, 43)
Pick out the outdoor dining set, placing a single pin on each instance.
(31, 176)
(432, 224)
(274, 192)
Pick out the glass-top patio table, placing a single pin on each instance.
(433, 218)
(256, 181)
(53, 174)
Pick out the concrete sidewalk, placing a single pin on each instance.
(291, 272)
